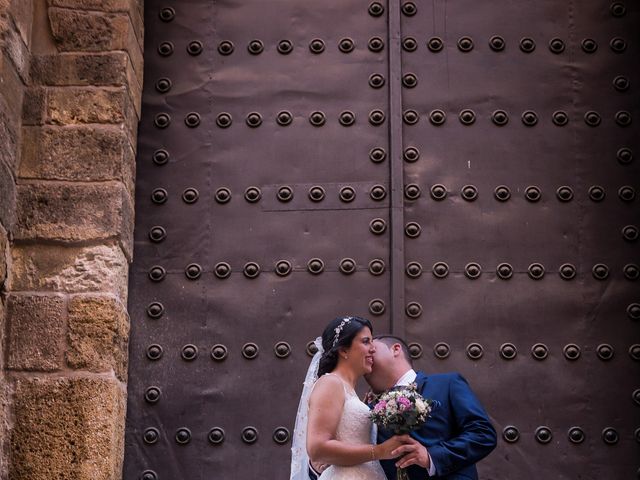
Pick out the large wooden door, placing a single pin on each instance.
(462, 173)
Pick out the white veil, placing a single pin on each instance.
(299, 456)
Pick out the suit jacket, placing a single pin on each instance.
(457, 434)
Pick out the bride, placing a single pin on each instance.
(333, 426)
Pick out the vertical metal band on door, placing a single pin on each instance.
(396, 171)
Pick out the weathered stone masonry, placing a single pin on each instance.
(70, 89)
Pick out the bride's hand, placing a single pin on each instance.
(383, 450)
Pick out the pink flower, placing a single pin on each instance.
(404, 403)
(380, 406)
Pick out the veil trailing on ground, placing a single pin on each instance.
(299, 456)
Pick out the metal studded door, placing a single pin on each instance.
(462, 173)
(522, 223)
(263, 212)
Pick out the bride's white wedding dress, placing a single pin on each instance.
(354, 427)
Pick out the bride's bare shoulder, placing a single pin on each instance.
(328, 385)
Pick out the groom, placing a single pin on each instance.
(457, 434)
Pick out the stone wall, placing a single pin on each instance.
(70, 90)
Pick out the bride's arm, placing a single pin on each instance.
(325, 409)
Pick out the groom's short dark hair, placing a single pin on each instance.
(389, 340)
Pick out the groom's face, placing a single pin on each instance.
(382, 363)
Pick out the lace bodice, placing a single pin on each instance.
(354, 427)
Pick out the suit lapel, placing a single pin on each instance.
(421, 380)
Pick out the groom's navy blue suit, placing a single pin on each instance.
(457, 434)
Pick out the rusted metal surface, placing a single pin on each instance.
(490, 246)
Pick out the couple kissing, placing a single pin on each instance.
(335, 438)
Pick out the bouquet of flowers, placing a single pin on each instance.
(401, 411)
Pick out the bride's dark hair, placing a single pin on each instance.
(348, 328)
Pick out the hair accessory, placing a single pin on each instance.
(338, 330)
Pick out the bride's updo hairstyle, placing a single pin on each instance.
(339, 334)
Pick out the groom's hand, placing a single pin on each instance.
(412, 453)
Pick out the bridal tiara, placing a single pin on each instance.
(338, 330)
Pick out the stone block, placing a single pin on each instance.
(7, 196)
(11, 88)
(4, 256)
(135, 92)
(34, 106)
(100, 268)
(129, 169)
(132, 7)
(2, 331)
(82, 69)
(77, 105)
(22, 13)
(5, 400)
(135, 45)
(91, 31)
(136, 13)
(74, 213)
(15, 48)
(9, 140)
(77, 153)
(36, 332)
(98, 335)
(67, 428)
